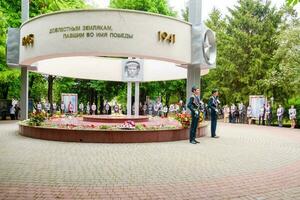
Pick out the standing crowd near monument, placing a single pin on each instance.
(234, 113)
(240, 114)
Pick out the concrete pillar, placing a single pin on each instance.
(193, 71)
(24, 71)
(129, 86)
(24, 93)
(136, 98)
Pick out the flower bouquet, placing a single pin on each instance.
(37, 118)
(184, 119)
(128, 125)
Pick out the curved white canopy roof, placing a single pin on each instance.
(109, 69)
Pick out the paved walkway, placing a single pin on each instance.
(247, 162)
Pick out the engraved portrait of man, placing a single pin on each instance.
(132, 70)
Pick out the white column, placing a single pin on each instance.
(129, 98)
(24, 71)
(136, 98)
(193, 71)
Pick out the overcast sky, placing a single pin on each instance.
(207, 5)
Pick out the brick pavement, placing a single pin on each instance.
(247, 162)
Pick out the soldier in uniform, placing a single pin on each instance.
(292, 115)
(213, 104)
(194, 106)
(280, 112)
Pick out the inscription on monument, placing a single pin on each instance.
(89, 31)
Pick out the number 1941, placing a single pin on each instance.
(164, 36)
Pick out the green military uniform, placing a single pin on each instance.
(194, 105)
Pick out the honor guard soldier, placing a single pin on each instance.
(195, 106)
(280, 112)
(292, 115)
(213, 104)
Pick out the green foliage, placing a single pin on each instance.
(292, 2)
(140, 127)
(154, 6)
(10, 16)
(254, 53)
(104, 127)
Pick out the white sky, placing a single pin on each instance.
(207, 5)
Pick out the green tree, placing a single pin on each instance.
(154, 6)
(246, 45)
(10, 15)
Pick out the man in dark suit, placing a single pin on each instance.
(213, 105)
(195, 106)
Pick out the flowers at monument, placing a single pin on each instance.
(37, 118)
(184, 119)
(127, 125)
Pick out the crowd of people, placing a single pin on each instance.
(241, 114)
(238, 113)
(153, 108)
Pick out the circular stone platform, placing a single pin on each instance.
(114, 119)
(108, 136)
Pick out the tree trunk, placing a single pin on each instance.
(96, 102)
(30, 84)
(5, 88)
(101, 103)
(50, 90)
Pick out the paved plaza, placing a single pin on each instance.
(246, 162)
